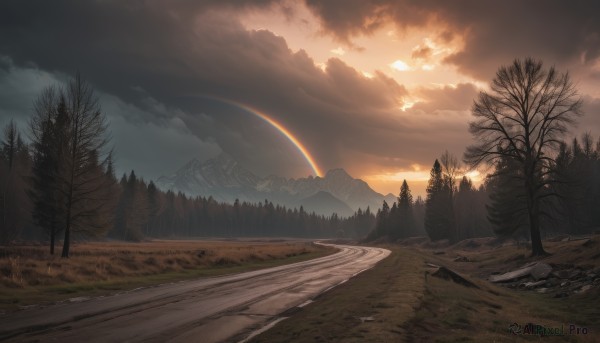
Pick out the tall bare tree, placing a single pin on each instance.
(69, 134)
(451, 169)
(523, 118)
(86, 197)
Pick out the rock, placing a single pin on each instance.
(585, 288)
(513, 275)
(461, 259)
(574, 274)
(448, 274)
(543, 290)
(530, 285)
(567, 274)
(551, 282)
(536, 270)
(565, 284)
(541, 271)
(366, 319)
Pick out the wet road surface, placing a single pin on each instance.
(220, 309)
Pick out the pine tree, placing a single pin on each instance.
(49, 129)
(381, 222)
(470, 211)
(9, 143)
(14, 161)
(439, 216)
(507, 208)
(405, 211)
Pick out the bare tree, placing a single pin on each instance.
(523, 117)
(84, 187)
(451, 169)
(68, 135)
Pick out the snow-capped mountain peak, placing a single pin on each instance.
(225, 179)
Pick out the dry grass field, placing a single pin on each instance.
(29, 275)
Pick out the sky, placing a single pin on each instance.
(380, 88)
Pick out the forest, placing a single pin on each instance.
(539, 184)
(60, 184)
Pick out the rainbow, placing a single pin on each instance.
(284, 131)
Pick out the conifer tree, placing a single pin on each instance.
(506, 208)
(439, 217)
(14, 164)
(49, 128)
(405, 211)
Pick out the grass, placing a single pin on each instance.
(29, 275)
(408, 304)
(389, 293)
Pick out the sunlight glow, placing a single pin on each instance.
(407, 105)
(419, 174)
(474, 175)
(408, 175)
(368, 75)
(338, 51)
(400, 65)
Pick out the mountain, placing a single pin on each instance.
(222, 177)
(354, 192)
(324, 203)
(225, 179)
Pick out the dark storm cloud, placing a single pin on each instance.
(494, 32)
(591, 117)
(161, 59)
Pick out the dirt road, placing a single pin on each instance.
(220, 309)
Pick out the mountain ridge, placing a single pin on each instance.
(225, 179)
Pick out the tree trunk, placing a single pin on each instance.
(52, 237)
(67, 242)
(536, 239)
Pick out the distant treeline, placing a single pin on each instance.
(450, 211)
(497, 207)
(145, 211)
